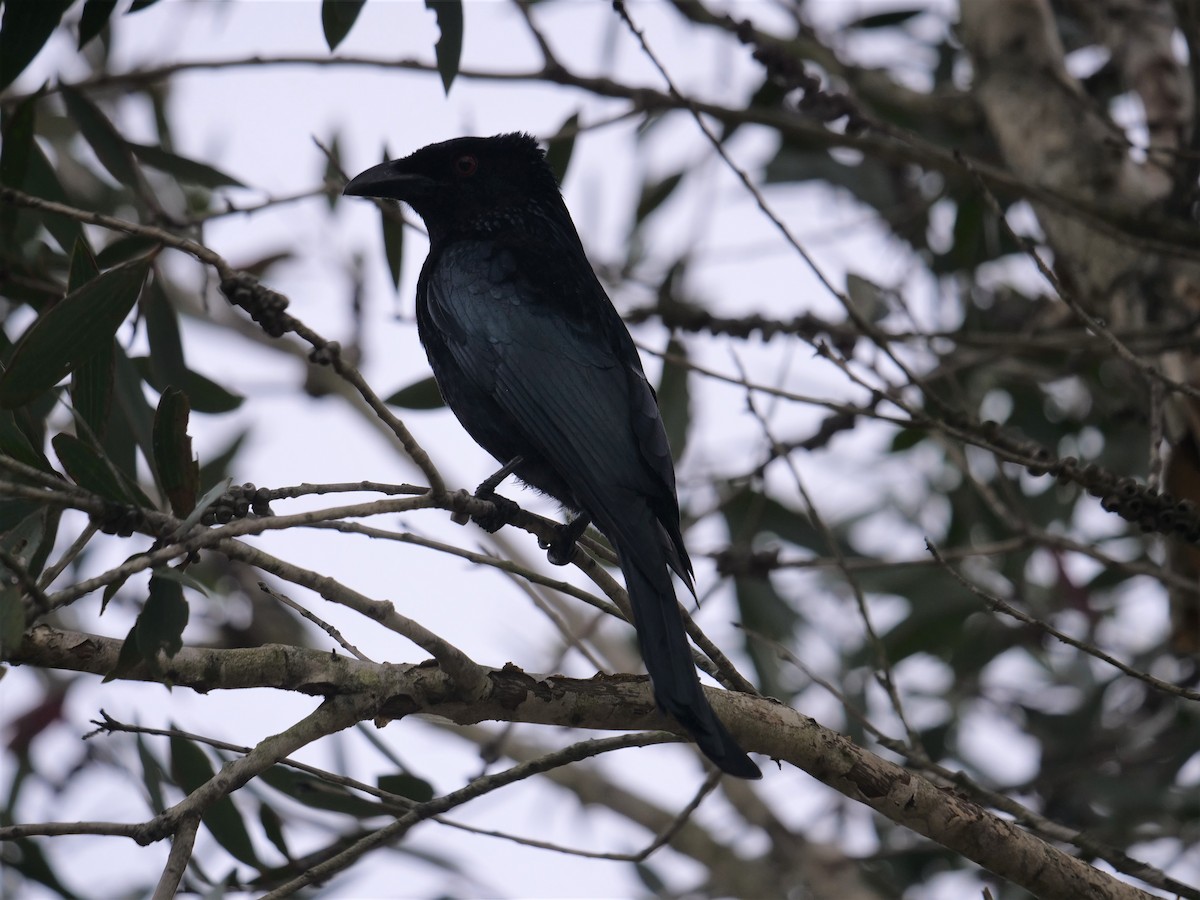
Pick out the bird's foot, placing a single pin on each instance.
(501, 513)
(560, 550)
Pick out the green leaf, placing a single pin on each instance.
(674, 398)
(186, 170)
(95, 16)
(15, 149)
(152, 775)
(178, 470)
(192, 770)
(885, 19)
(763, 611)
(272, 826)
(423, 394)
(906, 438)
(162, 332)
(124, 248)
(32, 537)
(84, 322)
(15, 443)
(561, 146)
(393, 239)
(333, 171)
(869, 298)
(337, 18)
(205, 394)
(161, 622)
(24, 856)
(449, 46)
(654, 195)
(24, 30)
(41, 180)
(12, 621)
(133, 418)
(103, 137)
(404, 785)
(182, 578)
(91, 471)
(128, 657)
(216, 469)
(83, 266)
(92, 389)
(318, 794)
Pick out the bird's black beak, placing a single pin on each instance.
(389, 180)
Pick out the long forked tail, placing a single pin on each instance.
(665, 648)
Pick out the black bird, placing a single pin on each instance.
(531, 356)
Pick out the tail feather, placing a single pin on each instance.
(664, 644)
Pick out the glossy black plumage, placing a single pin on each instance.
(534, 360)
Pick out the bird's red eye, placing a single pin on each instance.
(465, 166)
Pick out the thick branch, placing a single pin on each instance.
(759, 725)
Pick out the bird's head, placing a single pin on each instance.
(466, 185)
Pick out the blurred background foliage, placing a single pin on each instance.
(967, 336)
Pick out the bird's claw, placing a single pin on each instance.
(561, 550)
(501, 513)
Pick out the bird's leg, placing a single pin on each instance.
(561, 550)
(503, 507)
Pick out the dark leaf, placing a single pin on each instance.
(182, 578)
(128, 659)
(92, 378)
(42, 181)
(410, 786)
(216, 469)
(110, 148)
(152, 775)
(95, 17)
(15, 152)
(337, 18)
(869, 298)
(561, 146)
(650, 879)
(139, 5)
(125, 248)
(318, 794)
(177, 468)
(654, 195)
(393, 239)
(83, 323)
(273, 828)
(186, 170)
(449, 46)
(674, 397)
(15, 443)
(167, 366)
(161, 622)
(423, 394)
(133, 417)
(32, 538)
(191, 770)
(333, 168)
(885, 19)
(906, 438)
(91, 471)
(12, 621)
(22, 854)
(83, 266)
(206, 395)
(110, 591)
(765, 614)
(24, 30)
